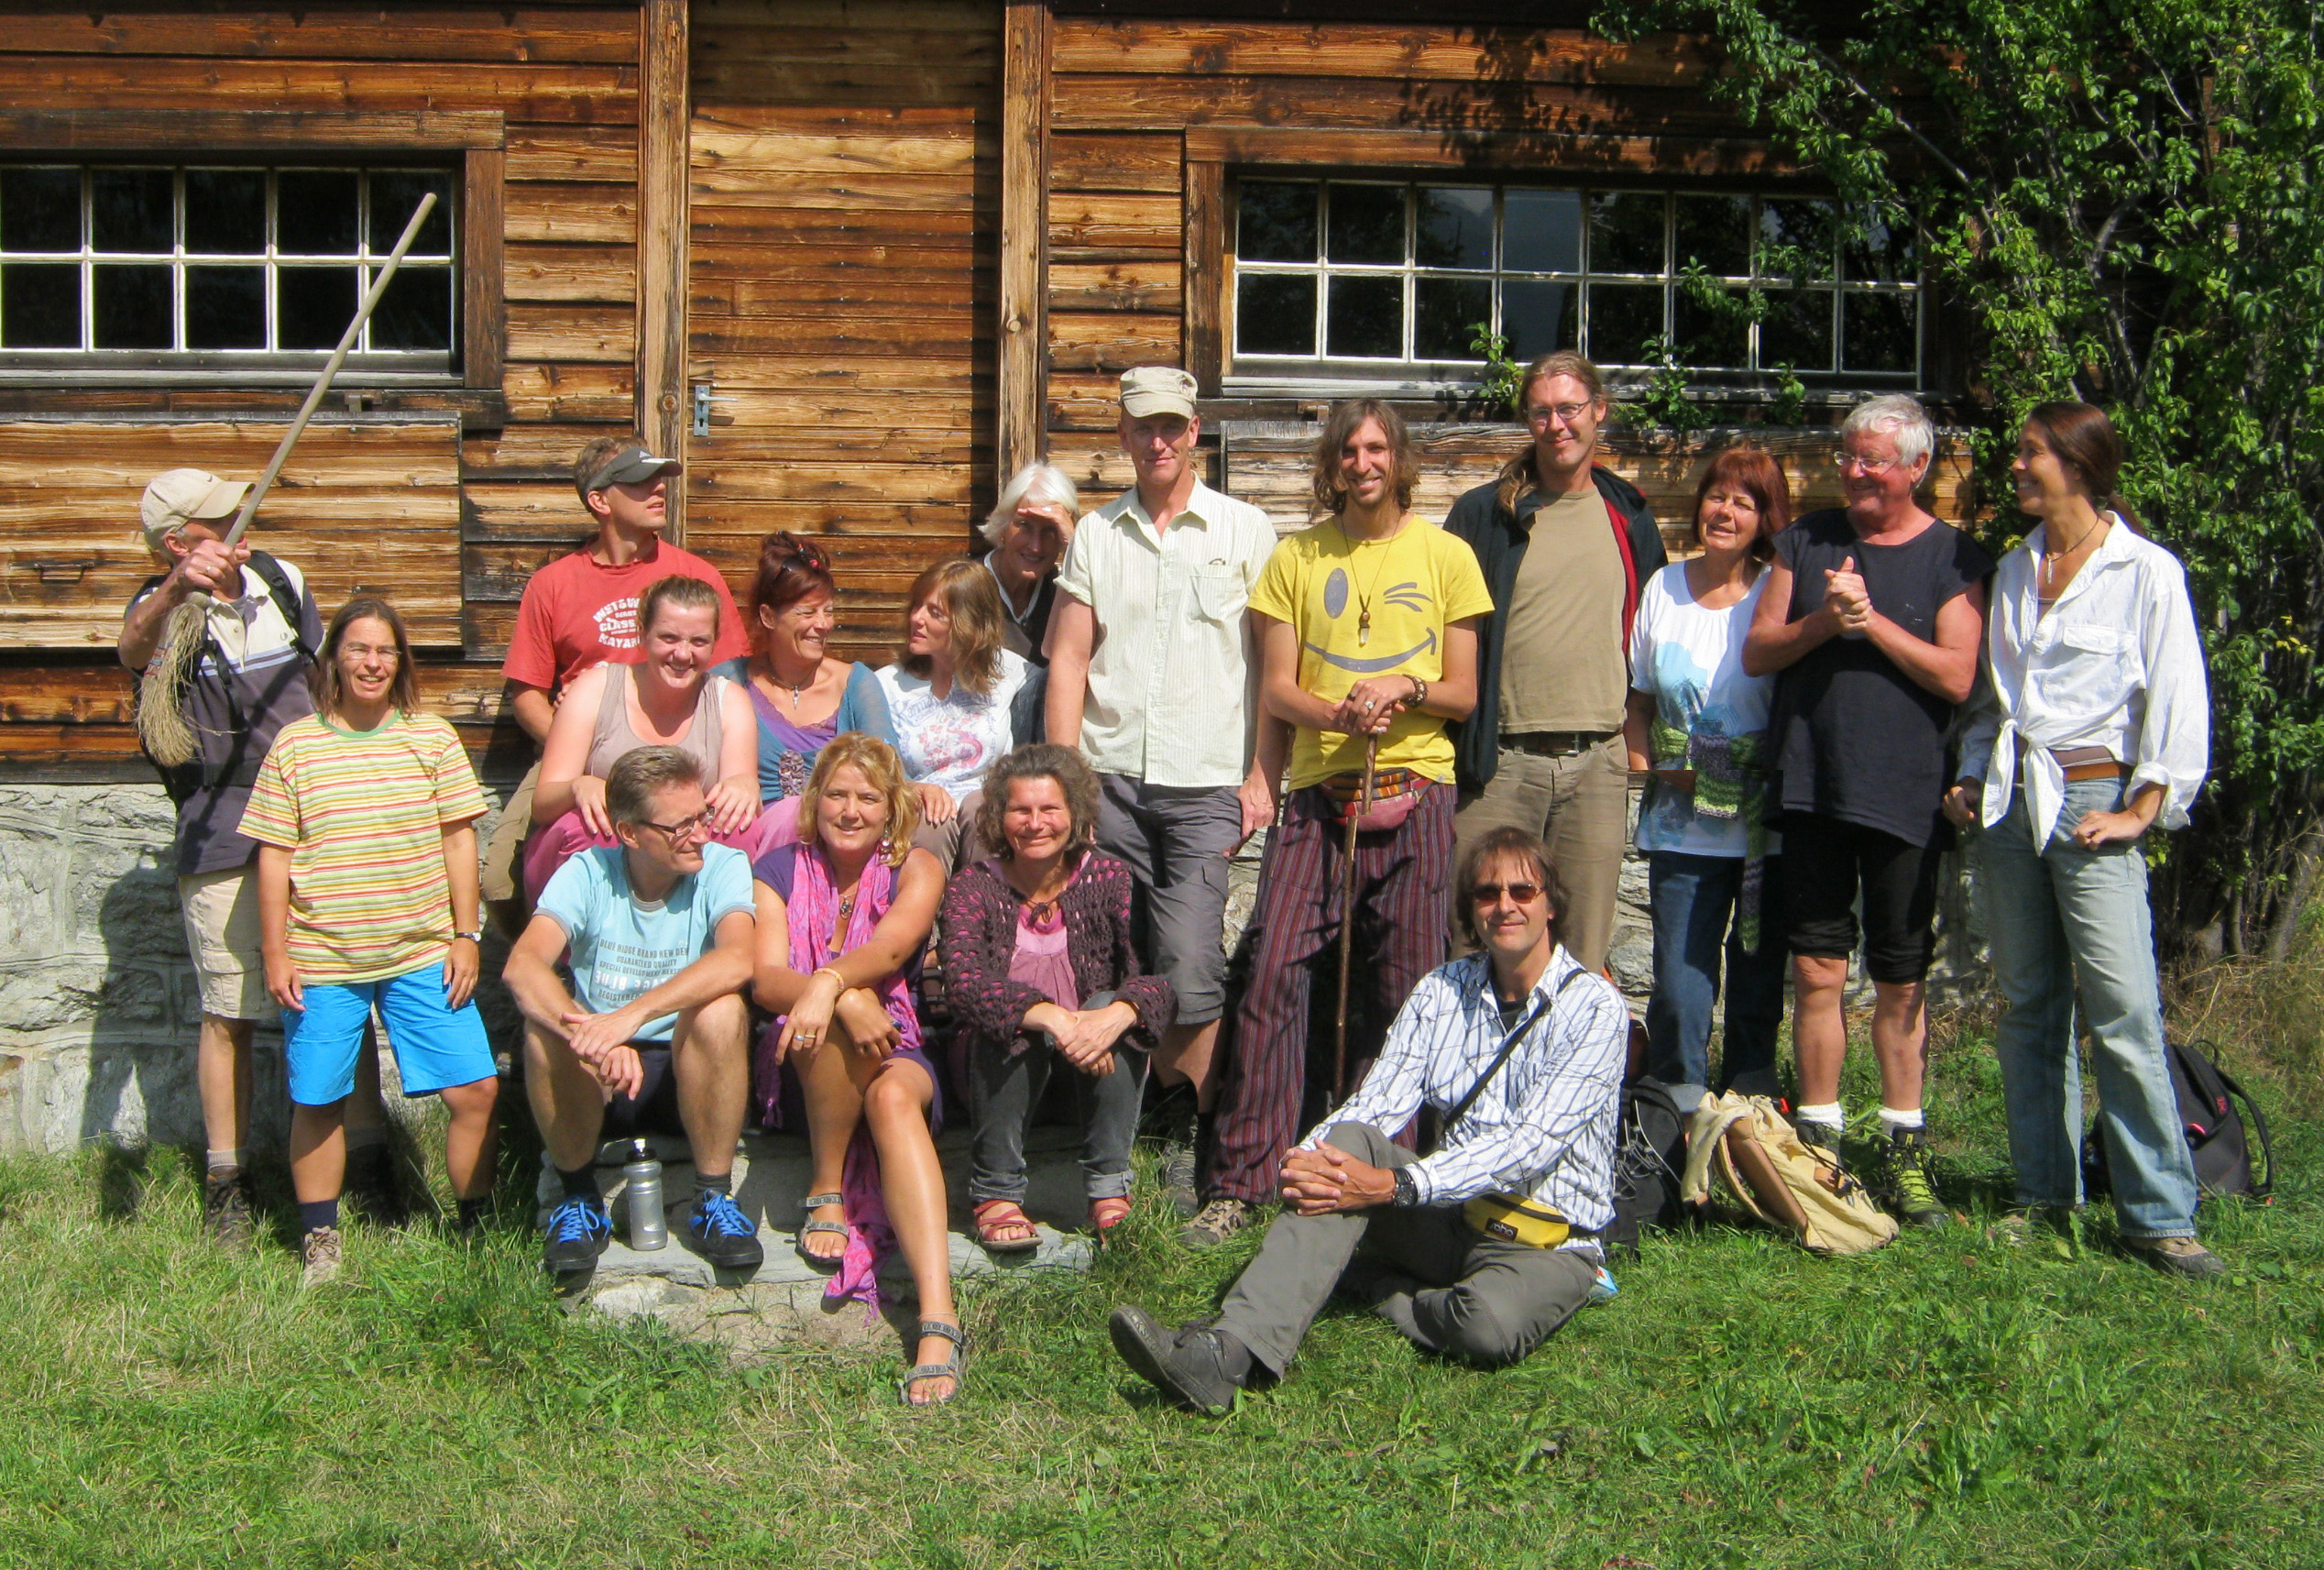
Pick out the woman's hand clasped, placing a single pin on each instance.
(589, 800)
(1371, 704)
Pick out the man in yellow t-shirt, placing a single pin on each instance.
(1367, 629)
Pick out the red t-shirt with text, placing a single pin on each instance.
(579, 612)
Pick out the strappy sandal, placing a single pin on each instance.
(1107, 1214)
(812, 1203)
(952, 1367)
(994, 1215)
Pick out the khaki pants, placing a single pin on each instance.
(503, 852)
(1580, 805)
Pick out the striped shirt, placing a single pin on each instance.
(1544, 1128)
(363, 815)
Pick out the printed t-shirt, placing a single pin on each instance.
(363, 814)
(1562, 665)
(951, 740)
(250, 683)
(1854, 737)
(1691, 659)
(622, 947)
(1416, 583)
(579, 612)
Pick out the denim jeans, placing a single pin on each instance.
(1004, 1091)
(1695, 908)
(2056, 916)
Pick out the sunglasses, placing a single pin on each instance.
(1490, 893)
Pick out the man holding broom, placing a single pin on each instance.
(1367, 641)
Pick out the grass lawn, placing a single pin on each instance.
(1944, 1402)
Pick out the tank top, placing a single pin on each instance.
(615, 736)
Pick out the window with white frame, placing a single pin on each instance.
(1377, 279)
(214, 267)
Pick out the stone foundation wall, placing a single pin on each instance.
(99, 1007)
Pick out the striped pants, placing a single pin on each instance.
(1399, 937)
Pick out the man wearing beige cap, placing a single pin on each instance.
(260, 630)
(582, 610)
(1150, 675)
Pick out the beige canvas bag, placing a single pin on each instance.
(1744, 1151)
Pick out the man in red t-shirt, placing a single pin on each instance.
(582, 610)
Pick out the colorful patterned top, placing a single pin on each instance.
(363, 815)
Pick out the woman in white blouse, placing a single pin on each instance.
(953, 698)
(2096, 729)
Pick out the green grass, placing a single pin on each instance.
(1944, 1402)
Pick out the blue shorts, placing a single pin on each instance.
(435, 1046)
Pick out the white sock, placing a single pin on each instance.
(1891, 1119)
(1828, 1114)
(226, 1160)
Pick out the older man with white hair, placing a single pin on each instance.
(1027, 532)
(1873, 615)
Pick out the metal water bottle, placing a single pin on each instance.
(642, 1193)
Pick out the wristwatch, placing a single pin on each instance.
(1408, 1192)
(476, 937)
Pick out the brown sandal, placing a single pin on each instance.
(996, 1216)
(1107, 1214)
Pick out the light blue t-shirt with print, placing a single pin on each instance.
(622, 947)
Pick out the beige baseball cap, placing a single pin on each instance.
(1158, 390)
(182, 494)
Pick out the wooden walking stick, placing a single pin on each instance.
(1347, 920)
(161, 718)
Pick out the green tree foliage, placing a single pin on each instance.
(2128, 198)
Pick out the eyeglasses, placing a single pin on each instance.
(684, 828)
(1490, 893)
(1539, 415)
(387, 654)
(1845, 460)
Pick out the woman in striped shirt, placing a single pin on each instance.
(364, 815)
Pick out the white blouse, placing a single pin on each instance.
(2114, 663)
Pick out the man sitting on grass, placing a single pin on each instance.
(1482, 1248)
(659, 933)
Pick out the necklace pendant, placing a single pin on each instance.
(1364, 628)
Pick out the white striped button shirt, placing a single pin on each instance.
(1544, 1127)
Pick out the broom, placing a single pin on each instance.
(162, 725)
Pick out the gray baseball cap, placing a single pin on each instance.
(627, 467)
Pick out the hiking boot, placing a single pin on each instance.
(578, 1231)
(2180, 1257)
(371, 1193)
(2055, 1227)
(320, 1251)
(1217, 1221)
(226, 1208)
(1197, 1365)
(1906, 1180)
(1178, 1179)
(1824, 1136)
(717, 1229)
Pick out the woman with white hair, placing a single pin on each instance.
(1028, 532)
(1871, 623)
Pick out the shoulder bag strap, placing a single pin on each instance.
(1508, 1046)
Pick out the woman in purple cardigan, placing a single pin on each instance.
(1038, 965)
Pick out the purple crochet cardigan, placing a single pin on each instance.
(980, 938)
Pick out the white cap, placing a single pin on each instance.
(182, 494)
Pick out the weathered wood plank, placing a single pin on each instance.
(601, 333)
(1111, 340)
(798, 335)
(599, 274)
(108, 128)
(571, 213)
(533, 34)
(1418, 52)
(1084, 225)
(1121, 102)
(1084, 161)
(1116, 286)
(1485, 153)
(754, 150)
(866, 85)
(905, 50)
(664, 131)
(1083, 401)
(729, 187)
(484, 321)
(1024, 184)
(571, 392)
(956, 378)
(556, 152)
(1206, 284)
(568, 95)
(710, 17)
(528, 451)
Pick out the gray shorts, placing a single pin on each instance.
(1176, 843)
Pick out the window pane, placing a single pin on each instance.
(1795, 240)
(1446, 314)
(1537, 318)
(314, 216)
(1796, 329)
(1453, 228)
(40, 211)
(226, 211)
(1714, 332)
(133, 308)
(40, 306)
(226, 308)
(1626, 232)
(1883, 255)
(312, 306)
(1367, 224)
(1715, 231)
(130, 211)
(1622, 318)
(394, 197)
(1276, 221)
(1541, 230)
(1366, 318)
(1274, 313)
(416, 311)
(1877, 331)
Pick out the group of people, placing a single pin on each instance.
(738, 853)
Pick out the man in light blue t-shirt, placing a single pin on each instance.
(657, 938)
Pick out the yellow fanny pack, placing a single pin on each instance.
(1509, 1219)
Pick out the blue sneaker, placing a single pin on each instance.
(1603, 1290)
(717, 1229)
(578, 1231)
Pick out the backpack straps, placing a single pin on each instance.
(286, 597)
(1508, 1046)
(2263, 1182)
